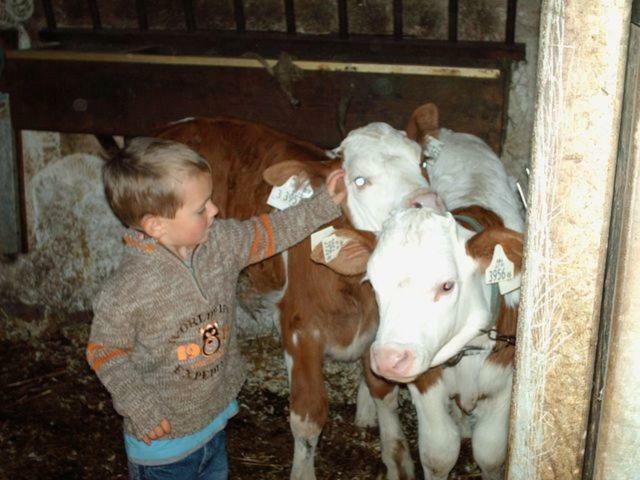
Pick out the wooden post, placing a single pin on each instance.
(580, 83)
(617, 421)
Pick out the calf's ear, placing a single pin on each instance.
(481, 246)
(353, 256)
(279, 173)
(423, 122)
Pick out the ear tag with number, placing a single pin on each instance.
(288, 195)
(317, 237)
(433, 148)
(331, 246)
(501, 268)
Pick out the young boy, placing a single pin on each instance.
(163, 340)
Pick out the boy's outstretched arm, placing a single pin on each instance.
(262, 237)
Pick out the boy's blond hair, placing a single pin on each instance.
(145, 178)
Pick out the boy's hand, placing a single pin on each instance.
(335, 186)
(158, 432)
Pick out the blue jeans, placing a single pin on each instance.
(207, 463)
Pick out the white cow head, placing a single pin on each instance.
(428, 275)
(382, 170)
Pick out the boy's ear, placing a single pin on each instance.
(353, 256)
(481, 246)
(423, 122)
(152, 225)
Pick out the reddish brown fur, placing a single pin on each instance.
(316, 298)
(480, 247)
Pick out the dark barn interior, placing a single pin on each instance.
(312, 69)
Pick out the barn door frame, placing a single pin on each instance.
(581, 71)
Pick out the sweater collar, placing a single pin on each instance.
(137, 240)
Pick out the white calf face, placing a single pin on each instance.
(428, 290)
(382, 170)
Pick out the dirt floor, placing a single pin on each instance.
(57, 422)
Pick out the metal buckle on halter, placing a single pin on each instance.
(497, 337)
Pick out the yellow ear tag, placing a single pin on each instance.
(501, 268)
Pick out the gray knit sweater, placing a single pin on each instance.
(163, 339)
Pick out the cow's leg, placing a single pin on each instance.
(438, 434)
(394, 446)
(365, 406)
(489, 437)
(309, 404)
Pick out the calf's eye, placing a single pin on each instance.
(447, 286)
(360, 182)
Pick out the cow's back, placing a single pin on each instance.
(467, 172)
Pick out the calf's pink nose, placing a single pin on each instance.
(393, 361)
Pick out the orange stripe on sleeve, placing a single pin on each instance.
(266, 222)
(253, 253)
(105, 358)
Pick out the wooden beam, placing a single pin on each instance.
(47, 90)
(364, 48)
(575, 141)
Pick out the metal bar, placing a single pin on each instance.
(510, 36)
(49, 14)
(453, 20)
(189, 15)
(141, 12)
(95, 14)
(343, 20)
(238, 8)
(291, 16)
(397, 19)
(362, 48)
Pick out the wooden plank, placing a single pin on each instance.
(122, 98)
(242, 62)
(11, 233)
(365, 48)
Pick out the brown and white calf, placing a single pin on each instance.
(321, 312)
(427, 271)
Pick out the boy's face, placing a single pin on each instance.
(191, 223)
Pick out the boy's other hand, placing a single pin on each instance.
(335, 186)
(160, 431)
